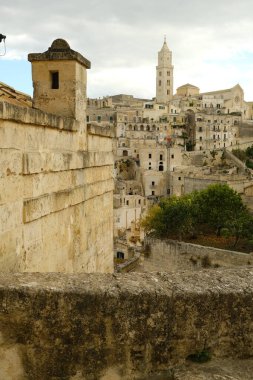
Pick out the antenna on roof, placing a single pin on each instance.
(2, 38)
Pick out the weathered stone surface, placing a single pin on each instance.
(52, 184)
(134, 326)
(59, 50)
(33, 116)
(216, 369)
(172, 255)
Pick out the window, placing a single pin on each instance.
(161, 157)
(127, 203)
(160, 73)
(172, 156)
(200, 129)
(160, 82)
(150, 155)
(139, 201)
(200, 138)
(161, 167)
(179, 178)
(168, 191)
(168, 92)
(87, 118)
(168, 73)
(153, 193)
(99, 119)
(54, 80)
(168, 82)
(120, 255)
(153, 183)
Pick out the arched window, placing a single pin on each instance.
(125, 153)
(161, 167)
(142, 128)
(148, 128)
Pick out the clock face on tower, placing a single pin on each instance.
(237, 99)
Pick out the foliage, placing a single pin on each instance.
(249, 151)
(171, 216)
(219, 204)
(239, 153)
(249, 164)
(245, 156)
(218, 207)
(200, 357)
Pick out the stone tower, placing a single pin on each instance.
(59, 80)
(164, 75)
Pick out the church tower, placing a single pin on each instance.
(164, 75)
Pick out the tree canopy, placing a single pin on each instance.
(216, 207)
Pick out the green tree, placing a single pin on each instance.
(241, 226)
(173, 216)
(219, 204)
(218, 207)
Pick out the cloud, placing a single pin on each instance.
(209, 40)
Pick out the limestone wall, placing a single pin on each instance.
(56, 193)
(113, 327)
(171, 255)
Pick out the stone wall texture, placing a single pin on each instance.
(171, 255)
(132, 326)
(56, 193)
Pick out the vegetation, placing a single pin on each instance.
(245, 156)
(200, 357)
(216, 209)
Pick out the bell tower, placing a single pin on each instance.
(164, 75)
(60, 80)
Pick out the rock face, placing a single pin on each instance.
(134, 326)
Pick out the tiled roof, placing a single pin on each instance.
(10, 95)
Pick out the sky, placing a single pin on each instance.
(211, 41)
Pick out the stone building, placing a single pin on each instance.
(55, 173)
(216, 131)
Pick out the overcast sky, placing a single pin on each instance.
(211, 41)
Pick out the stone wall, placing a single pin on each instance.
(172, 255)
(112, 327)
(56, 193)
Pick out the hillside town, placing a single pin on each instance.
(172, 144)
(79, 181)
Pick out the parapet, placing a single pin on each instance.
(95, 326)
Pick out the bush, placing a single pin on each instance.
(200, 357)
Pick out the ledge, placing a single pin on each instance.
(94, 129)
(123, 326)
(27, 115)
